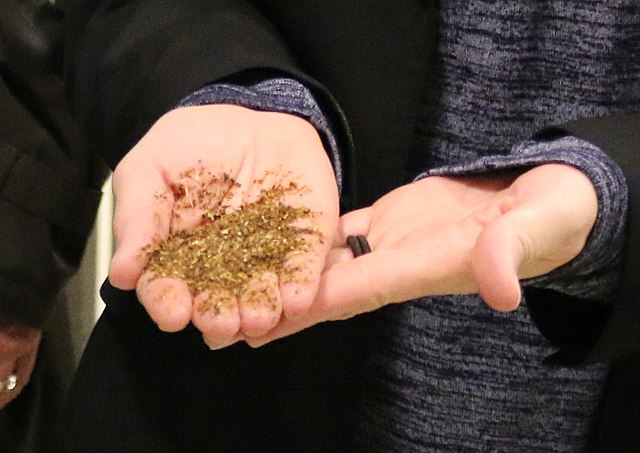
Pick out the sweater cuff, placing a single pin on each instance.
(282, 95)
(594, 272)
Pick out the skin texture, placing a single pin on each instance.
(245, 144)
(18, 350)
(438, 235)
(454, 236)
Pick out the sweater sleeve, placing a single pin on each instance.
(594, 273)
(127, 63)
(283, 95)
(619, 137)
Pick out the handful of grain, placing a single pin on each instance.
(232, 246)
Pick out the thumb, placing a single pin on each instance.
(142, 215)
(496, 259)
(556, 207)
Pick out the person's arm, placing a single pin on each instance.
(592, 274)
(49, 187)
(283, 95)
(604, 274)
(128, 63)
(571, 304)
(49, 184)
(530, 218)
(129, 67)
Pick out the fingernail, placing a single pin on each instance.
(256, 344)
(216, 345)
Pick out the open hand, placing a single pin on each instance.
(459, 235)
(192, 143)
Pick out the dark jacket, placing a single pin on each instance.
(367, 63)
(49, 186)
(49, 195)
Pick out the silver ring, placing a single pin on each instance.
(10, 383)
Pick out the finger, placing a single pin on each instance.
(10, 394)
(352, 224)
(300, 276)
(347, 287)
(376, 279)
(25, 365)
(142, 216)
(430, 262)
(18, 348)
(216, 346)
(335, 300)
(260, 305)
(217, 316)
(168, 301)
(529, 240)
(22, 369)
(7, 367)
(495, 261)
(17, 339)
(338, 255)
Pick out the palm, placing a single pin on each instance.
(195, 143)
(437, 229)
(455, 235)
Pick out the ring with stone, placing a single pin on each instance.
(8, 384)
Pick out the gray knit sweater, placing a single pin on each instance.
(452, 375)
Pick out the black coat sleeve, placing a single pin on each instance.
(619, 137)
(619, 338)
(49, 186)
(131, 61)
(609, 330)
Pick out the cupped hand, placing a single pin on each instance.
(153, 187)
(446, 235)
(19, 345)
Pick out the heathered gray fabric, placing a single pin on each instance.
(592, 274)
(451, 375)
(276, 95)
